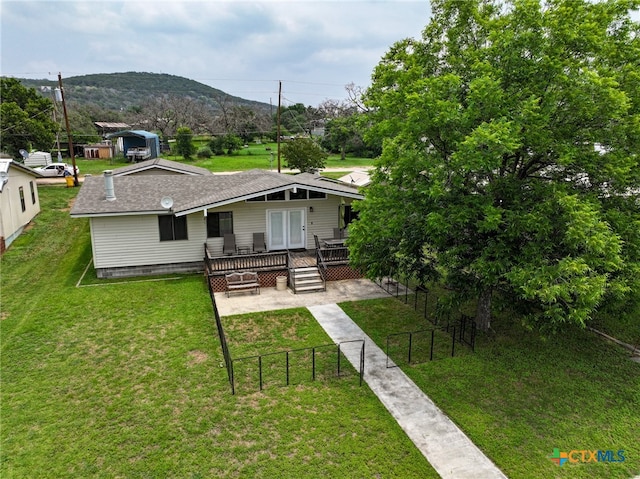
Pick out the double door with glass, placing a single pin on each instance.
(286, 229)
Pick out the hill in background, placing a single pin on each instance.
(124, 91)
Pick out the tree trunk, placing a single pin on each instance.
(483, 311)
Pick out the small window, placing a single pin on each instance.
(277, 196)
(219, 224)
(299, 194)
(33, 193)
(172, 228)
(316, 195)
(22, 203)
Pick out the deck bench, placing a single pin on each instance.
(242, 280)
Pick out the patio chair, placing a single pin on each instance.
(229, 246)
(315, 237)
(259, 244)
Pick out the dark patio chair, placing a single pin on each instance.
(259, 244)
(315, 237)
(229, 246)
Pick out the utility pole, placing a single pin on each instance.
(279, 103)
(66, 121)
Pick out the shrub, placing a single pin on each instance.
(204, 152)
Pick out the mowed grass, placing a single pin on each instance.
(262, 156)
(126, 379)
(520, 395)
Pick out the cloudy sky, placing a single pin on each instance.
(241, 47)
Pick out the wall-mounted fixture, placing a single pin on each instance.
(310, 209)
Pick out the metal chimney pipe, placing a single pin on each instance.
(110, 194)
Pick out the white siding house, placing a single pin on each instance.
(138, 220)
(19, 200)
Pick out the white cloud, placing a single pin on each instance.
(241, 47)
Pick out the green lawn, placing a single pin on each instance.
(255, 156)
(125, 380)
(521, 395)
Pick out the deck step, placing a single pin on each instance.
(307, 280)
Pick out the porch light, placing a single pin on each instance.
(310, 209)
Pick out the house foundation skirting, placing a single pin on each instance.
(267, 279)
(343, 271)
(149, 270)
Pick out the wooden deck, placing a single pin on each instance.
(278, 260)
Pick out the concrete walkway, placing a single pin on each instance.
(446, 447)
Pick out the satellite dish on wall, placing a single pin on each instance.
(166, 202)
(24, 153)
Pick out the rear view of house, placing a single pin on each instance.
(147, 224)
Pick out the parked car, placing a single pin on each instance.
(56, 169)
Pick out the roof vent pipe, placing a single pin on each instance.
(110, 194)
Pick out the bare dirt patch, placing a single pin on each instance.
(197, 357)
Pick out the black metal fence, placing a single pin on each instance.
(223, 340)
(284, 368)
(415, 347)
(424, 345)
(297, 366)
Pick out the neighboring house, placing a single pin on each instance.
(356, 178)
(148, 224)
(19, 200)
(158, 166)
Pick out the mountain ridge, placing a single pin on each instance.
(129, 90)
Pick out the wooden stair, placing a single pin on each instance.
(307, 280)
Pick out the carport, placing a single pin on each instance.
(138, 145)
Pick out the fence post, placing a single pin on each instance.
(453, 342)
(338, 359)
(362, 362)
(473, 336)
(313, 364)
(433, 332)
(410, 344)
(426, 298)
(406, 291)
(233, 379)
(260, 370)
(287, 368)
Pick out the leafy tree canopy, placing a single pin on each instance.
(184, 142)
(26, 119)
(510, 163)
(304, 154)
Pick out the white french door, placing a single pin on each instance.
(286, 229)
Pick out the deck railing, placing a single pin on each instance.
(333, 255)
(245, 262)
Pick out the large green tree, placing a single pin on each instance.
(510, 163)
(26, 119)
(304, 154)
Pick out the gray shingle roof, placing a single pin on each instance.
(162, 164)
(142, 194)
